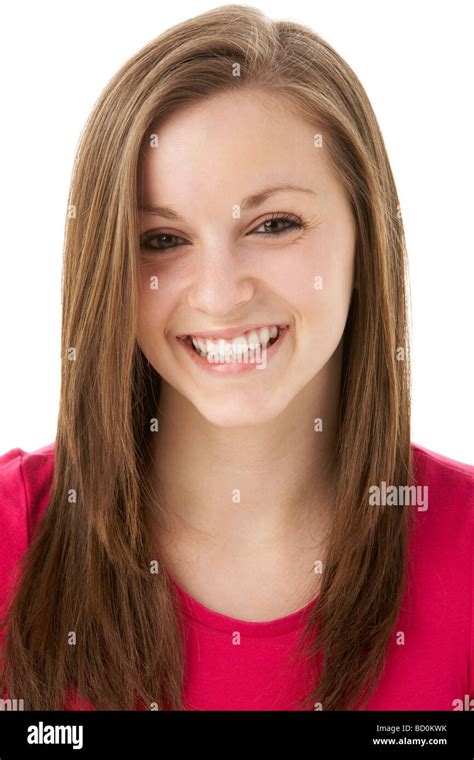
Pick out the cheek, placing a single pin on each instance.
(318, 289)
(155, 303)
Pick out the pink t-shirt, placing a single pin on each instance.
(238, 665)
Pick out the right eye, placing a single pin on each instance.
(153, 241)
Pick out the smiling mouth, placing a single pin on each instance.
(260, 347)
(230, 361)
(239, 350)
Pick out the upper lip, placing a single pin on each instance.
(230, 332)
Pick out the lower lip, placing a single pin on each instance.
(261, 358)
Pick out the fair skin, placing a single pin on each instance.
(253, 434)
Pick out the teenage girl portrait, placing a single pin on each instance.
(233, 514)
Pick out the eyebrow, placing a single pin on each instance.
(248, 203)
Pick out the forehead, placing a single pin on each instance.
(231, 141)
(234, 117)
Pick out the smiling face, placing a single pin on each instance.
(232, 257)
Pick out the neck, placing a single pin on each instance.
(254, 485)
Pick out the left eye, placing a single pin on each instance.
(151, 241)
(293, 223)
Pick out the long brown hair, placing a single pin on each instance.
(87, 571)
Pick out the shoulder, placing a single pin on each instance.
(441, 557)
(448, 488)
(444, 502)
(446, 473)
(25, 482)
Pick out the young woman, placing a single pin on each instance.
(233, 515)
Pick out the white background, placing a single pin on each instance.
(415, 61)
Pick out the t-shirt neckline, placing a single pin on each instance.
(199, 613)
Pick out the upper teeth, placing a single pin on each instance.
(242, 343)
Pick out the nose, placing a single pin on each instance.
(220, 282)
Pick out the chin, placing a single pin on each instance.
(239, 414)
